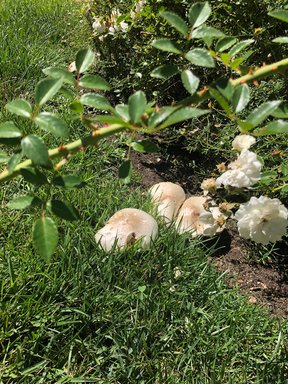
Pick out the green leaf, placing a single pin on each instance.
(200, 57)
(125, 171)
(176, 21)
(94, 82)
(281, 40)
(190, 81)
(53, 124)
(45, 237)
(281, 112)
(8, 130)
(123, 111)
(239, 47)
(225, 57)
(67, 92)
(145, 146)
(225, 43)
(237, 62)
(23, 202)
(279, 14)
(109, 119)
(84, 60)
(164, 71)
(224, 86)
(240, 97)
(76, 107)
(183, 114)
(199, 13)
(205, 31)
(268, 177)
(261, 113)
(284, 169)
(63, 209)
(3, 157)
(221, 101)
(46, 89)
(34, 176)
(167, 45)
(96, 101)
(136, 106)
(275, 127)
(68, 181)
(160, 115)
(35, 149)
(60, 73)
(20, 107)
(13, 161)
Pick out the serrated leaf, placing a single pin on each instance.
(145, 146)
(224, 86)
(221, 100)
(123, 111)
(125, 171)
(63, 209)
(239, 47)
(204, 31)
(60, 73)
(183, 114)
(262, 112)
(275, 127)
(225, 43)
(279, 14)
(160, 115)
(167, 46)
(240, 97)
(200, 57)
(176, 21)
(281, 40)
(8, 130)
(35, 149)
(190, 81)
(13, 161)
(281, 112)
(45, 237)
(94, 82)
(164, 72)
(76, 107)
(20, 107)
(34, 176)
(23, 202)
(3, 157)
(136, 106)
(84, 60)
(68, 181)
(199, 13)
(46, 89)
(53, 124)
(96, 101)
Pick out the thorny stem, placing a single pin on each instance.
(100, 133)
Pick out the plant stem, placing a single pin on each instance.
(65, 150)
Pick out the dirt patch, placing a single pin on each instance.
(265, 285)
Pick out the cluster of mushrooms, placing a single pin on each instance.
(129, 225)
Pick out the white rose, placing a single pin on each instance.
(262, 220)
(243, 172)
(243, 142)
(98, 26)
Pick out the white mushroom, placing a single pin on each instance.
(168, 198)
(125, 227)
(194, 218)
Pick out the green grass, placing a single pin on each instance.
(122, 317)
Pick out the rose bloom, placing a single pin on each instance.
(213, 221)
(98, 26)
(243, 172)
(262, 220)
(243, 142)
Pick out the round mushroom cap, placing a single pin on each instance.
(125, 227)
(168, 198)
(188, 216)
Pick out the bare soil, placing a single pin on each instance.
(265, 284)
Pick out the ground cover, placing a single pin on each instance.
(160, 316)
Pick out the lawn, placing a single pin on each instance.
(163, 315)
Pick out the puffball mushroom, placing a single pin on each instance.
(194, 218)
(168, 198)
(125, 227)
